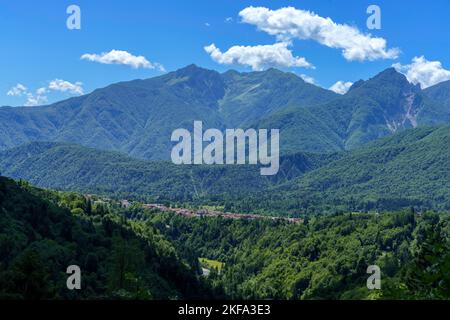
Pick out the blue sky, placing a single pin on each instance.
(37, 47)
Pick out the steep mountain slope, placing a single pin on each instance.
(375, 108)
(252, 96)
(304, 129)
(40, 237)
(411, 168)
(73, 167)
(138, 117)
(135, 117)
(440, 92)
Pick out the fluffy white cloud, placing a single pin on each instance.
(66, 86)
(124, 58)
(17, 90)
(258, 57)
(41, 91)
(308, 79)
(32, 100)
(290, 23)
(424, 72)
(341, 87)
(39, 97)
(35, 100)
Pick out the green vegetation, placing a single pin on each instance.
(409, 169)
(44, 232)
(371, 189)
(325, 258)
(440, 92)
(138, 117)
(371, 109)
(136, 253)
(76, 168)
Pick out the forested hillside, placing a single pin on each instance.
(383, 105)
(309, 159)
(72, 167)
(324, 258)
(440, 92)
(138, 117)
(409, 169)
(44, 232)
(138, 253)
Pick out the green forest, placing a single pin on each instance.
(43, 232)
(138, 253)
(409, 169)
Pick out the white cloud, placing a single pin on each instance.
(41, 91)
(258, 57)
(17, 90)
(66, 86)
(341, 87)
(207, 24)
(308, 79)
(32, 100)
(123, 58)
(290, 23)
(39, 97)
(229, 20)
(424, 72)
(35, 100)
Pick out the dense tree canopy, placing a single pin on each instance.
(44, 232)
(139, 253)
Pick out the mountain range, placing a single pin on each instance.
(410, 168)
(382, 145)
(138, 117)
(83, 169)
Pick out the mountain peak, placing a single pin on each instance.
(391, 74)
(191, 66)
(274, 71)
(390, 70)
(193, 69)
(206, 85)
(388, 78)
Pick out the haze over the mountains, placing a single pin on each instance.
(138, 117)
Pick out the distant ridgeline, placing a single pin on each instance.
(409, 169)
(138, 117)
